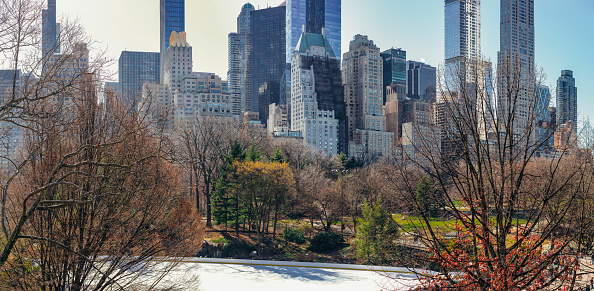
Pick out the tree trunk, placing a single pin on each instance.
(208, 206)
(196, 187)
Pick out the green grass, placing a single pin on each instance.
(220, 240)
(410, 223)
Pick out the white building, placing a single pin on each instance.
(318, 110)
(183, 94)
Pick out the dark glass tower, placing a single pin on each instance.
(314, 15)
(267, 56)
(566, 99)
(420, 81)
(50, 30)
(394, 68)
(135, 69)
(173, 18)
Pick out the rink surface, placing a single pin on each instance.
(229, 274)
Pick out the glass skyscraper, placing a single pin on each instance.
(462, 37)
(394, 68)
(420, 81)
(238, 61)
(517, 52)
(314, 15)
(135, 69)
(566, 99)
(50, 30)
(267, 57)
(173, 18)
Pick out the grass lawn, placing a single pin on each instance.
(410, 223)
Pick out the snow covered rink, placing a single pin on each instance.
(227, 275)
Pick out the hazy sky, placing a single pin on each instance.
(564, 31)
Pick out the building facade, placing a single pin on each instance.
(567, 99)
(462, 37)
(184, 95)
(362, 75)
(516, 55)
(313, 15)
(318, 109)
(238, 61)
(267, 58)
(135, 69)
(172, 18)
(394, 71)
(420, 81)
(50, 30)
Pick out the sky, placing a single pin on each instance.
(564, 31)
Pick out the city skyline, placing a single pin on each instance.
(423, 43)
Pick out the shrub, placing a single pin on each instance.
(294, 235)
(325, 241)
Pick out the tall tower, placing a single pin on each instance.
(362, 70)
(238, 58)
(313, 15)
(516, 55)
(462, 36)
(173, 18)
(420, 81)
(135, 69)
(567, 99)
(317, 101)
(50, 30)
(267, 58)
(394, 61)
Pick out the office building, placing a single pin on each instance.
(313, 15)
(184, 95)
(50, 30)
(420, 81)
(267, 58)
(394, 62)
(462, 29)
(267, 94)
(238, 62)
(567, 99)
(516, 57)
(544, 126)
(318, 109)
(135, 69)
(11, 82)
(172, 18)
(362, 69)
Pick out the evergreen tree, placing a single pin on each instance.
(376, 235)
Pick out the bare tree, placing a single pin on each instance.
(89, 196)
(506, 202)
(203, 143)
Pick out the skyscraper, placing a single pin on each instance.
(318, 109)
(173, 18)
(267, 58)
(567, 99)
(183, 94)
(516, 55)
(394, 68)
(313, 15)
(420, 81)
(239, 54)
(135, 69)
(362, 70)
(462, 35)
(50, 31)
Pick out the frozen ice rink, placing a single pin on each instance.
(227, 275)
